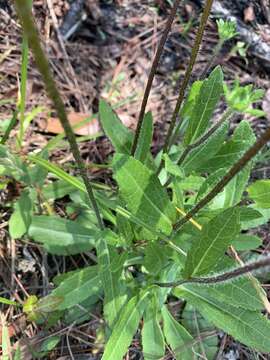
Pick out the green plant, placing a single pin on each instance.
(144, 254)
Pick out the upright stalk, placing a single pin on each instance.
(152, 74)
(30, 30)
(188, 73)
(23, 82)
(235, 169)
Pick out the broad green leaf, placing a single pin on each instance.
(206, 150)
(119, 135)
(259, 192)
(191, 182)
(12, 165)
(145, 138)
(245, 242)
(60, 236)
(173, 168)
(125, 229)
(249, 327)
(211, 244)
(57, 190)
(143, 194)
(82, 312)
(167, 275)
(125, 328)
(155, 257)
(177, 337)
(205, 104)
(250, 223)
(239, 293)
(136, 221)
(233, 191)
(78, 287)
(113, 286)
(21, 218)
(204, 347)
(243, 137)
(48, 345)
(187, 109)
(152, 338)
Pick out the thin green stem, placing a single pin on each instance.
(235, 169)
(152, 74)
(227, 276)
(202, 139)
(187, 76)
(23, 84)
(30, 30)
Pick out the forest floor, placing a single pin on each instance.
(103, 49)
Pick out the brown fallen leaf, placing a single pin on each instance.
(54, 126)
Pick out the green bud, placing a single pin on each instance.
(226, 29)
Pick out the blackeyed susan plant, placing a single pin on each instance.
(173, 226)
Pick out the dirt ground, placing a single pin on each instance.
(103, 49)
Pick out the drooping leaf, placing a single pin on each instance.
(205, 104)
(60, 236)
(21, 218)
(206, 150)
(259, 192)
(211, 244)
(152, 337)
(125, 328)
(177, 337)
(249, 327)
(119, 135)
(77, 287)
(145, 138)
(143, 194)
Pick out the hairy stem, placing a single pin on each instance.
(202, 139)
(227, 276)
(152, 74)
(187, 76)
(30, 30)
(235, 169)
